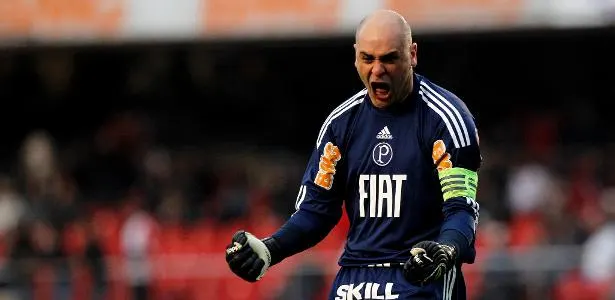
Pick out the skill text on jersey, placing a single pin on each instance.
(365, 291)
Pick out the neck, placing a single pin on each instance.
(406, 89)
(410, 86)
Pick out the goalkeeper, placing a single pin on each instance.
(403, 154)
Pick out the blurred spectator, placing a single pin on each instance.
(598, 259)
(136, 242)
(94, 261)
(38, 163)
(528, 187)
(12, 207)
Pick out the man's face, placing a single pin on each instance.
(384, 62)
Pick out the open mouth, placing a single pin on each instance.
(381, 90)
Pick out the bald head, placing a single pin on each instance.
(384, 22)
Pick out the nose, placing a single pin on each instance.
(378, 69)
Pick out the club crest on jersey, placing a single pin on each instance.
(326, 167)
(382, 154)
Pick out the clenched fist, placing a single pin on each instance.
(248, 257)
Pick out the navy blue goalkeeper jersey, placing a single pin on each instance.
(397, 169)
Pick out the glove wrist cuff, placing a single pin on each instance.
(450, 250)
(274, 249)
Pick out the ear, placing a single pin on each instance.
(356, 56)
(413, 55)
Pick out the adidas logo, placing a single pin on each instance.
(384, 134)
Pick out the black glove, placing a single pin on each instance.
(249, 257)
(429, 262)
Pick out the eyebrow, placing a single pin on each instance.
(388, 54)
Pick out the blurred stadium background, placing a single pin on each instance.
(138, 135)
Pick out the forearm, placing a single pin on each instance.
(302, 231)
(458, 228)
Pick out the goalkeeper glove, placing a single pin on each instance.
(429, 261)
(250, 258)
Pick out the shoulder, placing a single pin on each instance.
(438, 98)
(337, 119)
(447, 112)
